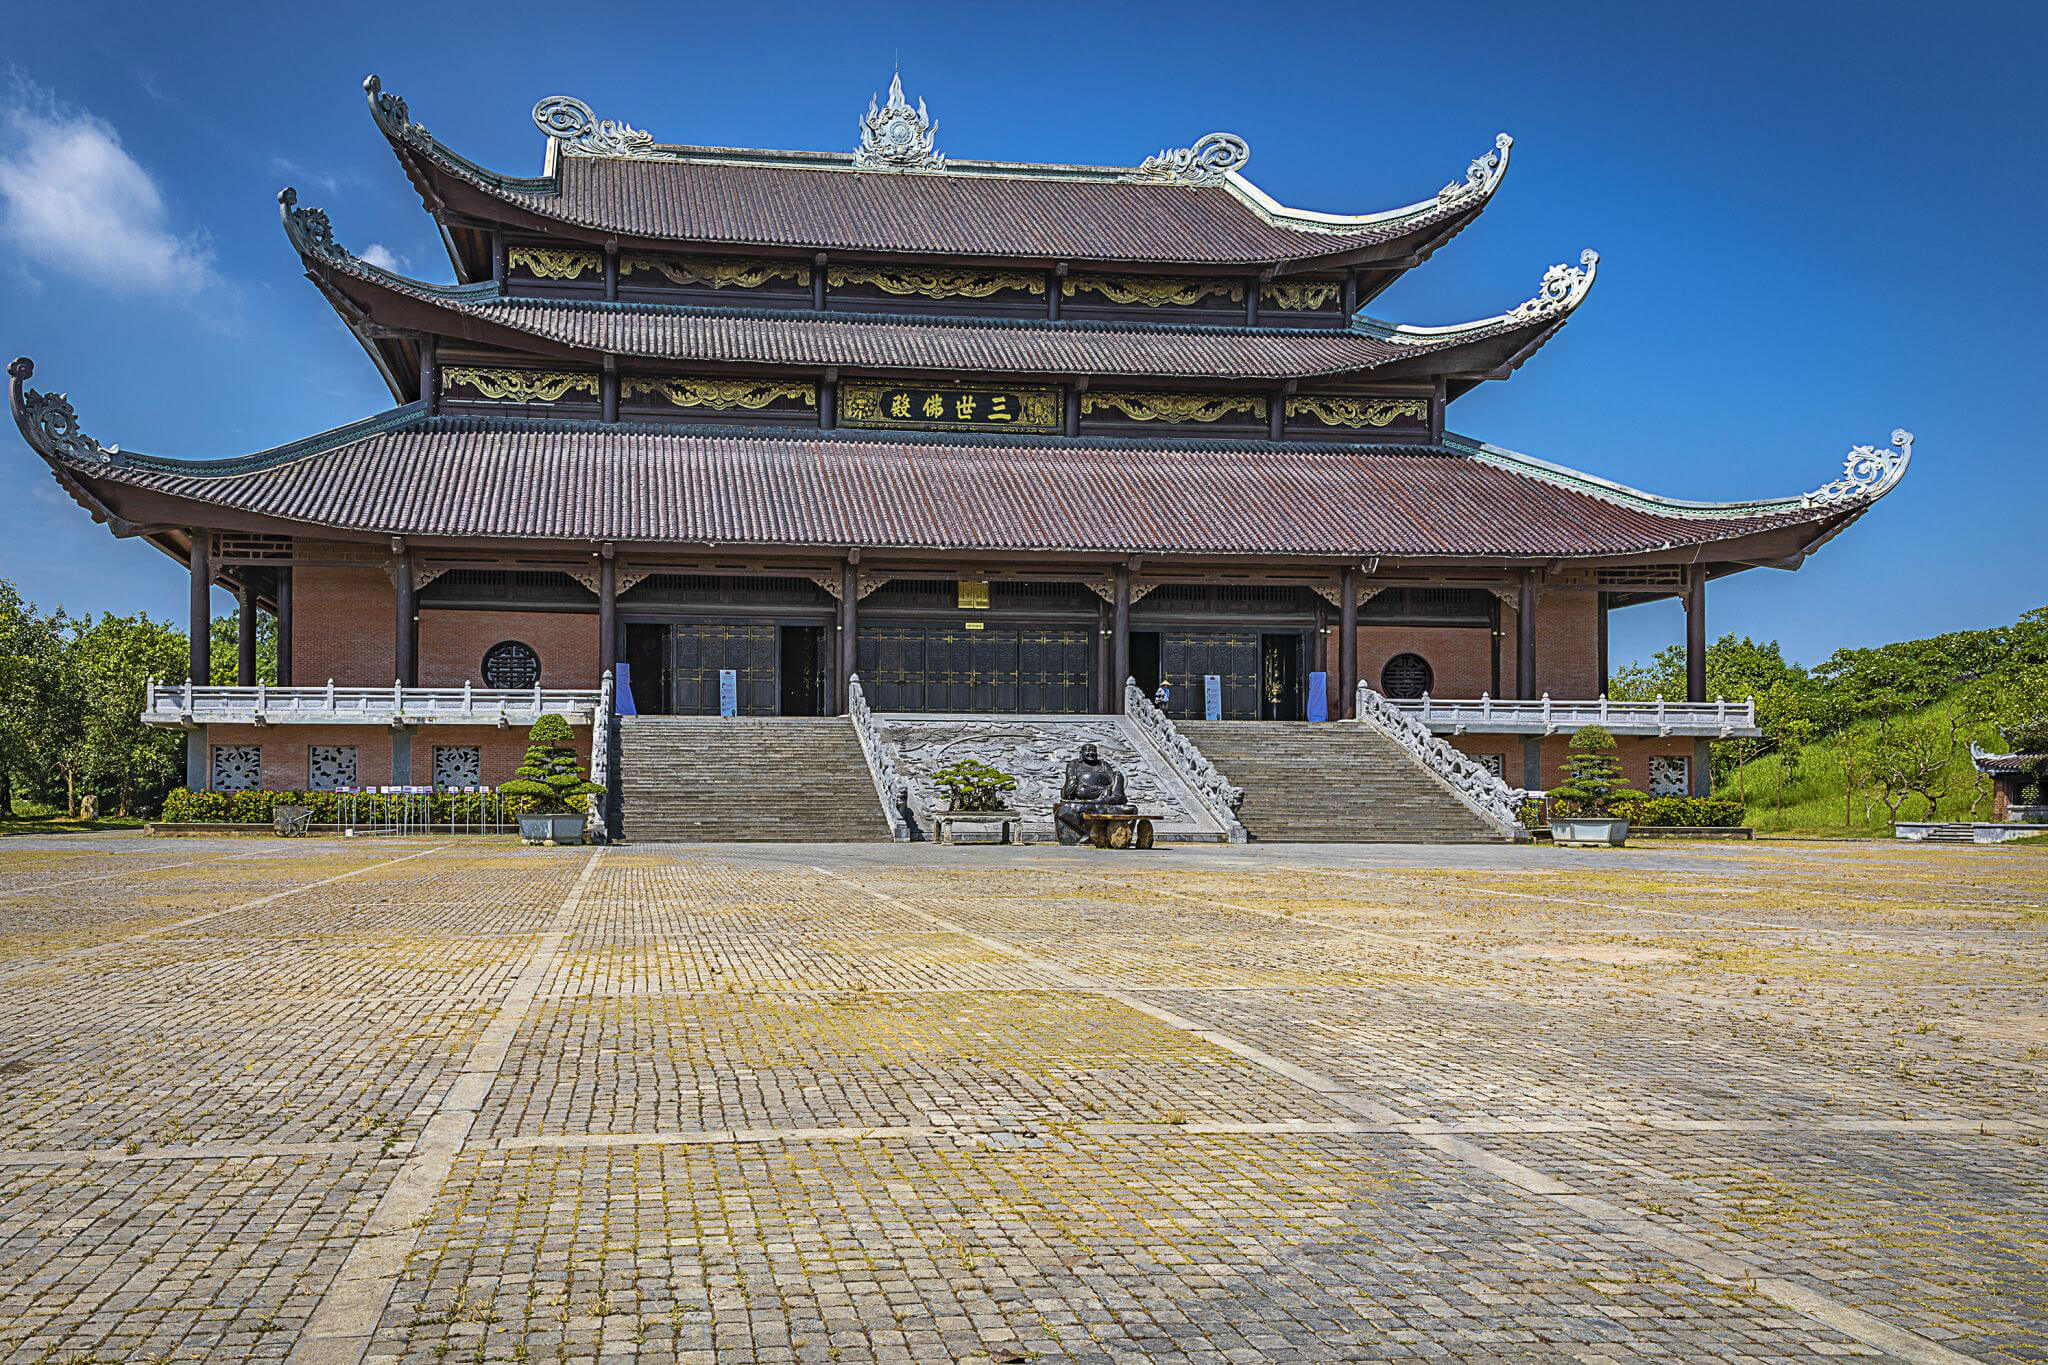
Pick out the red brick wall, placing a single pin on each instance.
(1461, 657)
(452, 645)
(285, 750)
(343, 627)
(1633, 750)
(1568, 644)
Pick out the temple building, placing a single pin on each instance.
(703, 431)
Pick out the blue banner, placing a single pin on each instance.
(622, 690)
(1318, 696)
(728, 692)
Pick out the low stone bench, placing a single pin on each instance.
(1008, 820)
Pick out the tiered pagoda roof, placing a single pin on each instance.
(784, 480)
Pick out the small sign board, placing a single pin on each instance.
(962, 407)
(728, 692)
(1212, 696)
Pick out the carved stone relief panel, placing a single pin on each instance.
(330, 767)
(1035, 752)
(237, 767)
(458, 765)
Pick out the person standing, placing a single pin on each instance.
(1162, 695)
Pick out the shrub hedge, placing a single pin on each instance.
(184, 807)
(1691, 811)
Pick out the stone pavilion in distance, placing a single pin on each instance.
(828, 468)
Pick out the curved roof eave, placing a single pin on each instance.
(1448, 212)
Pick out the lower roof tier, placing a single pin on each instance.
(405, 473)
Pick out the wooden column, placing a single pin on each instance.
(405, 623)
(1350, 292)
(611, 272)
(245, 633)
(1345, 703)
(1525, 638)
(607, 613)
(818, 282)
(430, 375)
(1601, 599)
(1120, 640)
(1276, 415)
(1439, 398)
(284, 627)
(1251, 303)
(608, 389)
(828, 401)
(1493, 630)
(1696, 633)
(1052, 294)
(201, 608)
(1100, 655)
(1072, 423)
(849, 632)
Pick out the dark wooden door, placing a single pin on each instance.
(1187, 657)
(701, 650)
(996, 670)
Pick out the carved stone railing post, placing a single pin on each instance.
(600, 757)
(1209, 786)
(1472, 782)
(899, 801)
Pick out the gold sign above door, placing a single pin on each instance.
(955, 407)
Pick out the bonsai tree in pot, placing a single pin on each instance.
(972, 785)
(550, 785)
(1585, 806)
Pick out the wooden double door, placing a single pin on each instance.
(1260, 672)
(778, 669)
(999, 668)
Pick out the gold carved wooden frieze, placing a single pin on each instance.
(519, 386)
(936, 284)
(1174, 407)
(1300, 295)
(719, 394)
(1358, 412)
(551, 263)
(715, 272)
(1153, 291)
(952, 407)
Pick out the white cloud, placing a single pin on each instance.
(376, 253)
(72, 198)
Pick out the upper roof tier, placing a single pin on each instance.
(369, 297)
(897, 195)
(406, 473)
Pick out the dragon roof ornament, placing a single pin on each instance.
(1209, 161)
(1867, 475)
(391, 114)
(49, 423)
(309, 229)
(1562, 288)
(577, 128)
(895, 137)
(1482, 177)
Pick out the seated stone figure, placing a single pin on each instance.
(1092, 786)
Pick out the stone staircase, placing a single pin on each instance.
(710, 779)
(1338, 782)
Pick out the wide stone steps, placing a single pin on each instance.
(710, 779)
(1334, 783)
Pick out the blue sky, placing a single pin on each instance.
(1815, 223)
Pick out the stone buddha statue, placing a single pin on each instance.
(1092, 786)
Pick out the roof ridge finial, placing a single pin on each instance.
(895, 137)
(1482, 177)
(1867, 474)
(1562, 288)
(1212, 159)
(49, 423)
(576, 126)
(310, 230)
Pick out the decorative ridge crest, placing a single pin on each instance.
(49, 423)
(895, 137)
(1210, 161)
(309, 229)
(1561, 290)
(1482, 177)
(1867, 474)
(391, 113)
(573, 124)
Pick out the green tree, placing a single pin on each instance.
(550, 779)
(223, 650)
(1593, 782)
(35, 718)
(127, 763)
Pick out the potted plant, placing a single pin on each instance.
(971, 785)
(1582, 808)
(550, 785)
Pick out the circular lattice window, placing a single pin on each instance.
(1406, 677)
(511, 664)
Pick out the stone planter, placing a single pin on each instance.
(551, 829)
(2027, 815)
(1586, 833)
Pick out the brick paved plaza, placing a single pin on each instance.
(419, 1102)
